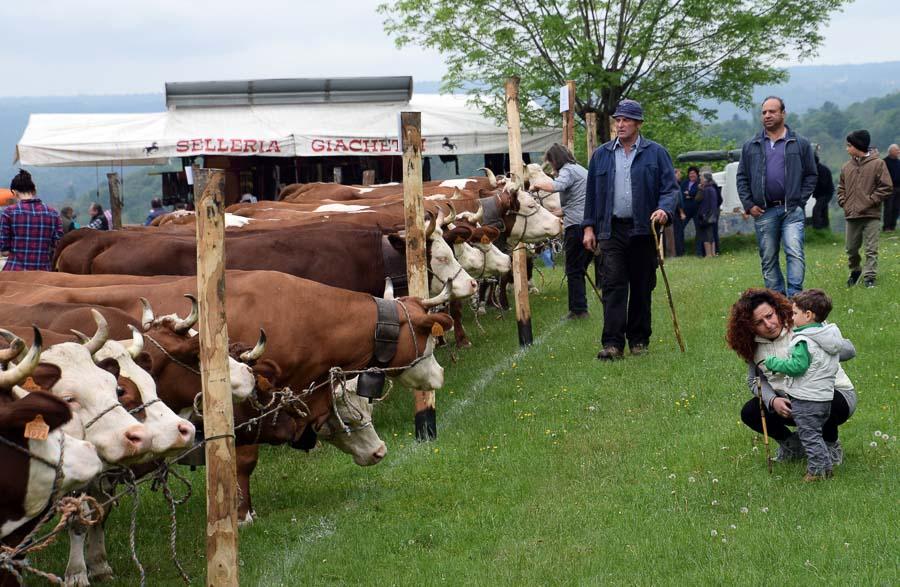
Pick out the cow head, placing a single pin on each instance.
(350, 428)
(67, 371)
(533, 223)
(171, 337)
(417, 341)
(548, 200)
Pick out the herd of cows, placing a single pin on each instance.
(307, 278)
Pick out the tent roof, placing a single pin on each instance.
(449, 127)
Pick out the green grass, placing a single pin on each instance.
(554, 468)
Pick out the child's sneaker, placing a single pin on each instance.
(836, 451)
(790, 449)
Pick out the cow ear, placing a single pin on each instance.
(110, 365)
(491, 232)
(268, 369)
(397, 241)
(144, 361)
(46, 375)
(427, 321)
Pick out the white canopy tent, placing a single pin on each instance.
(449, 126)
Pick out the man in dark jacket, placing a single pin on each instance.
(776, 176)
(892, 204)
(823, 193)
(630, 185)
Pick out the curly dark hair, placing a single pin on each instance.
(740, 332)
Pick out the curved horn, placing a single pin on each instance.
(479, 214)
(137, 342)
(257, 351)
(100, 337)
(388, 288)
(82, 337)
(440, 298)
(490, 175)
(16, 346)
(183, 325)
(452, 215)
(146, 314)
(19, 372)
(429, 228)
(457, 194)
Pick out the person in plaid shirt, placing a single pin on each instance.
(29, 230)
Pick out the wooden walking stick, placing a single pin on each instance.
(762, 415)
(662, 268)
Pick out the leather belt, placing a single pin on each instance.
(387, 333)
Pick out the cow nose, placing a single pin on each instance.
(380, 452)
(186, 432)
(136, 436)
(474, 284)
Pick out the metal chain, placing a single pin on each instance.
(170, 357)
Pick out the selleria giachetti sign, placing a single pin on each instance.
(223, 145)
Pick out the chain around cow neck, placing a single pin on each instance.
(170, 357)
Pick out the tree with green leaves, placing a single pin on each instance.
(668, 54)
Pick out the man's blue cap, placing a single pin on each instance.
(629, 109)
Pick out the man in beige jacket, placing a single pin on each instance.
(865, 183)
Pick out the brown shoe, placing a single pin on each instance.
(810, 478)
(639, 349)
(610, 353)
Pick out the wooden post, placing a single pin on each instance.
(115, 199)
(590, 122)
(569, 125)
(519, 256)
(368, 177)
(612, 129)
(218, 419)
(416, 272)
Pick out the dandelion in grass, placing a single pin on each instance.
(873, 444)
(733, 527)
(715, 480)
(691, 479)
(878, 434)
(745, 510)
(764, 510)
(715, 502)
(713, 533)
(724, 539)
(671, 475)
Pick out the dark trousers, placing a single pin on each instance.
(691, 207)
(578, 259)
(628, 275)
(778, 426)
(820, 213)
(892, 210)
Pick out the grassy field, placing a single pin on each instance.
(553, 468)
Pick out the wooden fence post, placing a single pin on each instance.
(218, 418)
(416, 272)
(590, 122)
(115, 199)
(569, 122)
(519, 256)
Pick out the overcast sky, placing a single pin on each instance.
(64, 47)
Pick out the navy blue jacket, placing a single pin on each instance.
(653, 187)
(800, 172)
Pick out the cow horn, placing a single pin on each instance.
(183, 325)
(146, 314)
(479, 214)
(257, 351)
(452, 215)
(100, 337)
(429, 228)
(137, 342)
(17, 373)
(82, 337)
(16, 346)
(388, 288)
(490, 175)
(440, 298)
(457, 194)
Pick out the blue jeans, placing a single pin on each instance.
(775, 228)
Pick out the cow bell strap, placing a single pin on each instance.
(387, 332)
(394, 267)
(492, 213)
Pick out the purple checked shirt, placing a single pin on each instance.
(29, 230)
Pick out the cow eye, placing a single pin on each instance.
(120, 391)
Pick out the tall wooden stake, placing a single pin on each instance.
(590, 123)
(569, 121)
(115, 199)
(416, 272)
(519, 256)
(218, 419)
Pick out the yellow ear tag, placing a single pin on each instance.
(29, 385)
(37, 429)
(437, 330)
(485, 239)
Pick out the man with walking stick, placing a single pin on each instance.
(630, 184)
